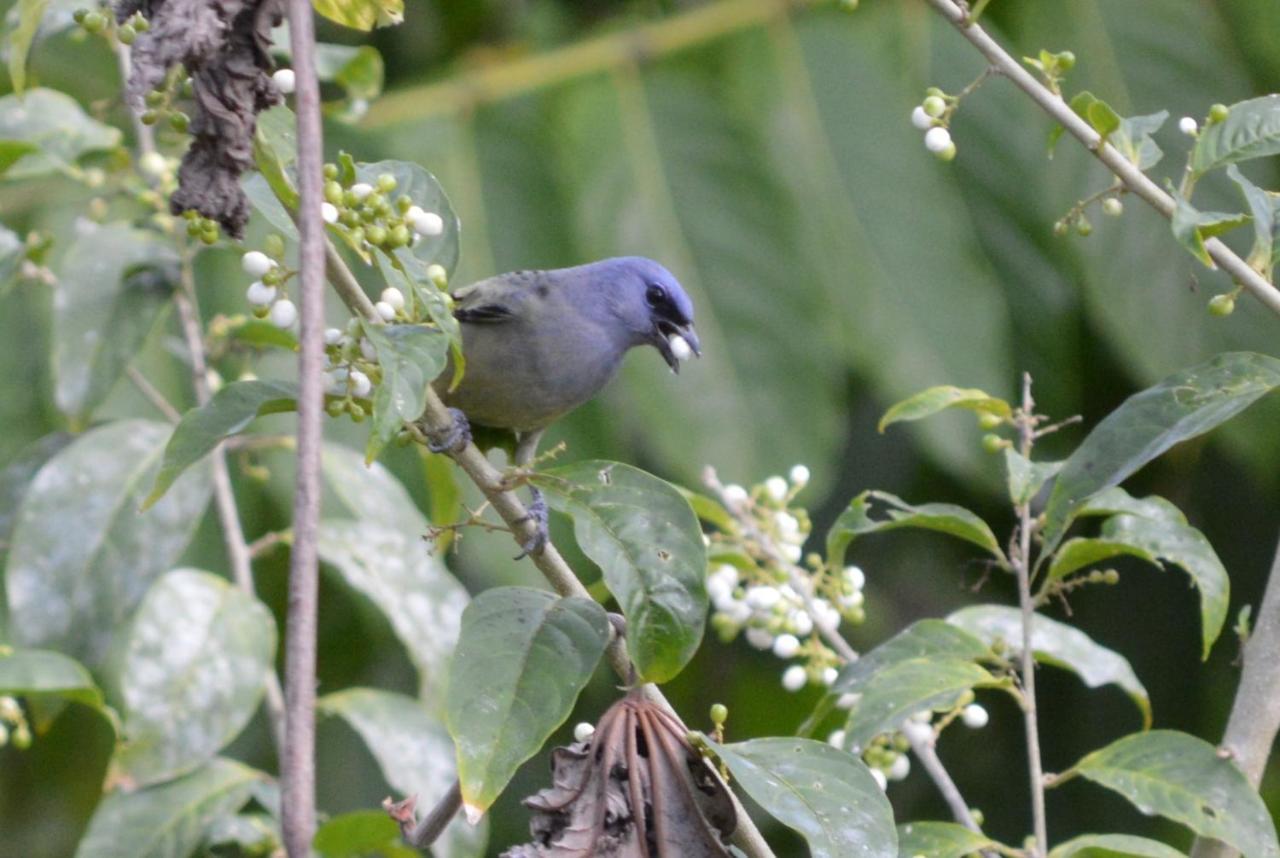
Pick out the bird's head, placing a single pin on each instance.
(653, 305)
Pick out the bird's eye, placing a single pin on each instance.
(655, 295)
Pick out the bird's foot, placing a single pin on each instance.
(537, 513)
(457, 436)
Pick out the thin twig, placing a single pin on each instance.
(298, 767)
(154, 396)
(269, 540)
(1136, 180)
(1026, 421)
(1255, 713)
(143, 134)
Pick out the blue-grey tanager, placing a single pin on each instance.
(538, 344)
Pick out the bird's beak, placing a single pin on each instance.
(662, 341)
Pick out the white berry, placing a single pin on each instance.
(763, 598)
(735, 495)
(799, 475)
(1187, 125)
(360, 384)
(830, 675)
(776, 487)
(917, 732)
(785, 646)
(427, 223)
(920, 119)
(332, 336)
(794, 677)
(360, 190)
(974, 716)
(854, 578)
(260, 294)
(899, 769)
(153, 164)
(583, 732)
(759, 638)
(880, 779)
(329, 212)
(285, 81)
(255, 263)
(680, 347)
(393, 296)
(937, 140)
(385, 310)
(284, 314)
(836, 739)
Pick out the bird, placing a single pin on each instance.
(537, 344)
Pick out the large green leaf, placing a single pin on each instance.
(523, 657)
(42, 673)
(1191, 227)
(643, 535)
(1058, 644)
(73, 594)
(229, 412)
(15, 479)
(369, 492)
(1025, 477)
(411, 356)
(1251, 130)
(1176, 542)
(1076, 554)
(112, 282)
(929, 402)
(191, 673)
(167, 820)
(1264, 207)
(939, 840)
(1185, 779)
(30, 12)
(361, 14)
(825, 794)
(361, 834)
(397, 571)
(57, 125)
(414, 753)
(943, 517)
(1113, 846)
(1182, 406)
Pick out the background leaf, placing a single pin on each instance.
(926, 403)
(57, 125)
(411, 356)
(38, 673)
(1251, 130)
(1113, 846)
(938, 840)
(644, 537)
(943, 517)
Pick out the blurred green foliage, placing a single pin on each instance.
(765, 155)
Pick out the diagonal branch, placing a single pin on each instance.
(1134, 179)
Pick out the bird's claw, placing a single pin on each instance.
(457, 436)
(537, 513)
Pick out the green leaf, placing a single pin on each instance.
(1113, 846)
(15, 479)
(275, 147)
(1057, 644)
(193, 669)
(1185, 779)
(1075, 554)
(710, 510)
(1181, 406)
(1191, 227)
(939, 840)
(168, 820)
(826, 795)
(360, 72)
(361, 14)
(890, 696)
(411, 356)
(112, 283)
(369, 492)
(30, 13)
(936, 399)
(1025, 477)
(943, 517)
(1251, 130)
(523, 657)
(73, 594)
(260, 333)
(361, 834)
(228, 413)
(1175, 542)
(57, 125)
(413, 751)
(645, 538)
(1264, 206)
(1101, 116)
(12, 151)
(1133, 139)
(42, 673)
(254, 834)
(1116, 501)
(397, 570)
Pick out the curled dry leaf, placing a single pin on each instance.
(635, 789)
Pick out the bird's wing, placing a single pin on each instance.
(498, 299)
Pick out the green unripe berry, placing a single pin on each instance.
(274, 246)
(94, 22)
(933, 92)
(1083, 226)
(375, 201)
(155, 98)
(1111, 576)
(719, 713)
(331, 173)
(403, 204)
(335, 407)
(22, 737)
(357, 236)
(1217, 113)
(368, 215)
(386, 183)
(987, 420)
(348, 217)
(140, 23)
(399, 236)
(333, 192)
(934, 106)
(273, 277)
(1060, 228)
(79, 15)
(375, 234)
(978, 816)
(193, 227)
(1222, 305)
(356, 412)
(188, 88)
(179, 122)
(1066, 61)
(209, 236)
(1112, 207)
(993, 443)
(349, 199)
(126, 34)
(150, 117)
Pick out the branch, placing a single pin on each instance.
(1255, 714)
(298, 764)
(154, 396)
(1134, 179)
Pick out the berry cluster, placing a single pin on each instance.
(266, 294)
(932, 117)
(371, 216)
